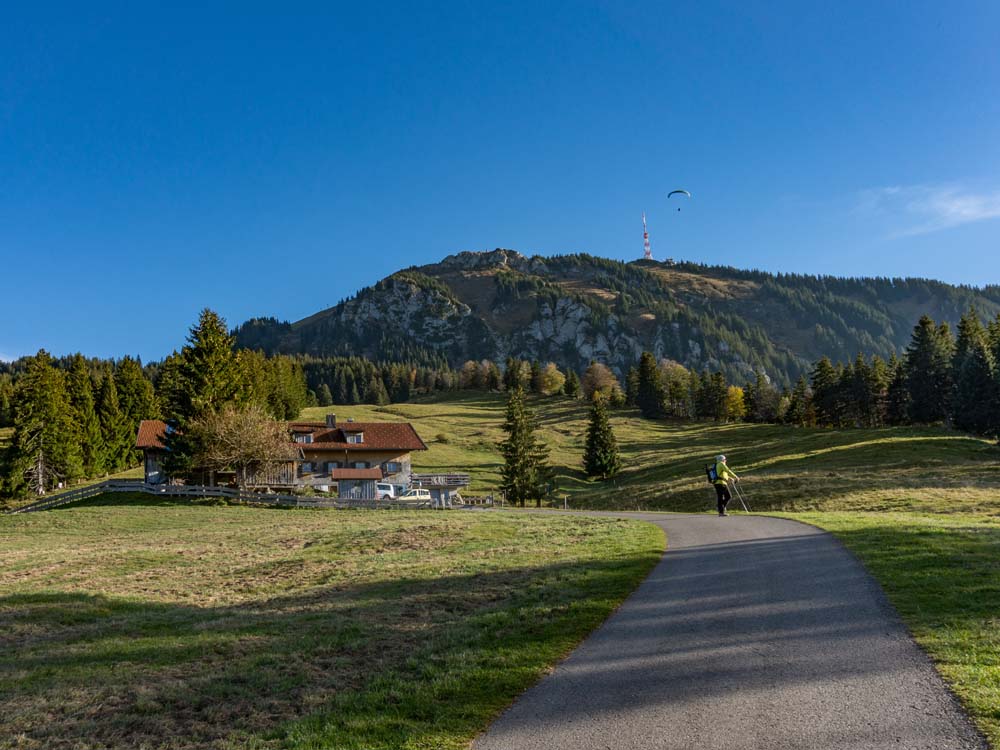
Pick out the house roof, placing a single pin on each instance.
(379, 436)
(375, 473)
(151, 434)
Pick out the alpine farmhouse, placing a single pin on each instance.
(347, 458)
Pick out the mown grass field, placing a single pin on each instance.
(784, 468)
(134, 623)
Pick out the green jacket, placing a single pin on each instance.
(723, 473)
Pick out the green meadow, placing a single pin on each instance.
(131, 623)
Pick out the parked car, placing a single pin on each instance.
(385, 491)
(415, 495)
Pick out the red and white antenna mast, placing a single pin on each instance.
(648, 254)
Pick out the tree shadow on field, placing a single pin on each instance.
(86, 670)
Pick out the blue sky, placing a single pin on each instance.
(157, 160)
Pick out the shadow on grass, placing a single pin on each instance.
(375, 665)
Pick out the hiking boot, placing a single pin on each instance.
(723, 514)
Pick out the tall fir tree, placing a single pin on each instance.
(825, 387)
(525, 459)
(571, 388)
(535, 376)
(116, 431)
(800, 410)
(323, 395)
(600, 455)
(88, 426)
(650, 396)
(632, 387)
(206, 376)
(6, 400)
(512, 375)
(897, 406)
(45, 447)
(135, 396)
(494, 381)
(209, 370)
(970, 333)
(976, 397)
(928, 372)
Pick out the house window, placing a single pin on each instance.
(356, 438)
(361, 465)
(331, 465)
(393, 467)
(304, 438)
(307, 467)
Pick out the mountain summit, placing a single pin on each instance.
(572, 309)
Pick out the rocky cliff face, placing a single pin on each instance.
(574, 309)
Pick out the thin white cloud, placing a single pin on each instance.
(921, 209)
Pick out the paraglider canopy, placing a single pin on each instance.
(678, 192)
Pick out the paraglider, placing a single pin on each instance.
(678, 192)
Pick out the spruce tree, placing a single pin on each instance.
(800, 408)
(897, 407)
(88, 427)
(825, 386)
(206, 376)
(512, 375)
(976, 394)
(494, 380)
(600, 456)
(928, 372)
(45, 448)
(135, 396)
(880, 376)
(535, 376)
(6, 401)
(970, 332)
(323, 395)
(650, 396)
(525, 459)
(571, 388)
(632, 387)
(116, 431)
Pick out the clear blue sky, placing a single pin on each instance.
(156, 161)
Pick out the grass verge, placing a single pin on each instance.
(942, 573)
(140, 623)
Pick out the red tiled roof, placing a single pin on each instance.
(379, 436)
(151, 434)
(375, 473)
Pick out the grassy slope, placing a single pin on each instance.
(179, 626)
(784, 468)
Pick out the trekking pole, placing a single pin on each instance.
(741, 496)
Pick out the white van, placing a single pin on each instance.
(385, 491)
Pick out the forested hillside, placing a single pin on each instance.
(575, 308)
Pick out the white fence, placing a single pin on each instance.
(229, 493)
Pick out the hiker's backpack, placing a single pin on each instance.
(712, 474)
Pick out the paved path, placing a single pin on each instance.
(752, 632)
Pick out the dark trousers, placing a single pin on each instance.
(722, 491)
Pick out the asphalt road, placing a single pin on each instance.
(752, 632)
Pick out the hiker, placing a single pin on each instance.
(722, 476)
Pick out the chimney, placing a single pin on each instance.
(331, 420)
